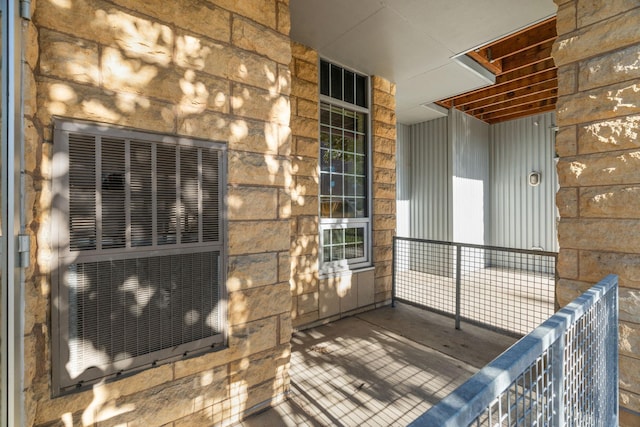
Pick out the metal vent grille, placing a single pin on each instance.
(138, 279)
(126, 308)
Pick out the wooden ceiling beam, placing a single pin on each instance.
(492, 91)
(522, 73)
(481, 58)
(528, 57)
(521, 114)
(528, 94)
(533, 36)
(533, 98)
(509, 112)
(533, 69)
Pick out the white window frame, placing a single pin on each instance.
(327, 267)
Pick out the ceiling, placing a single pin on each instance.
(418, 44)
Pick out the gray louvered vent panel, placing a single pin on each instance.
(189, 189)
(166, 194)
(126, 308)
(210, 196)
(112, 192)
(141, 194)
(82, 192)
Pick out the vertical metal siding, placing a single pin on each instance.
(431, 181)
(523, 216)
(403, 180)
(471, 189)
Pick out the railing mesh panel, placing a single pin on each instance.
(502, 289)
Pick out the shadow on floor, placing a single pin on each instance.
(379, 368)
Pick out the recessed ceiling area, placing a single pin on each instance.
(526, 82)
(413, 43)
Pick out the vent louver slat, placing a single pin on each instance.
(119, 311)
(141, 195)
(138, 279)
(112, 192)
(210, 196)
(82, 192)
(189, 189)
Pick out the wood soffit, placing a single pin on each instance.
(526, 76)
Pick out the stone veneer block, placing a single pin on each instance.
(611, 202)
(251, 271)
(247, 237)
(619, 167)
(616, 235)
(567, 264)
(626, 266)
(629, 336)
(566, 142)
(610, 135)
(604, 36)
(258, 303)
(599, 104)
(258, 169)
(567, 202)
(592, 11)
(252, 203)
(610, 69)
(247, 35)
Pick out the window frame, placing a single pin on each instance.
(62, 258)
(327, 267)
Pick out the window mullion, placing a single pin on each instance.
(98, 190)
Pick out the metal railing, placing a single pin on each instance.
(564, 373)
(503, 289)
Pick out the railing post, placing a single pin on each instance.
(458, 296)
(394, 252)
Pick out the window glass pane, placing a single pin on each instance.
(336, 117)
(361, 122)
(324, 78)
(349, 86)
(361, 91)
(360, 166)
(336, 82)
(360, 144)
(349, 142)
(325, 183)
(325, 160)
(324, 137)
(349, 185)
(324, 113)
(349, 163)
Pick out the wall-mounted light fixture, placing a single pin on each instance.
(534, 178)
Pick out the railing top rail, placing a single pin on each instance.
(475, 246)
(468, 401)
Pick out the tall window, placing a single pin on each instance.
(138, 224)
(344, 164)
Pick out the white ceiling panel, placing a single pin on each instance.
(461, 25)
(411, 42)
(391, 48)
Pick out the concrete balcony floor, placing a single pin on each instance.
(380, 368)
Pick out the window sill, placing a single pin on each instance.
(341, 273)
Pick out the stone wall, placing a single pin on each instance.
(217, 70)
(320, 299)
(598, 112)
